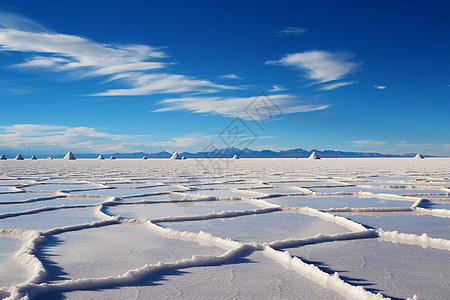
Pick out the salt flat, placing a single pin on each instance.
(248, 228)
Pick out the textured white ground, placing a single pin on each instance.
(251, 228)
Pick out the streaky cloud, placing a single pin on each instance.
(59, 138)
(277, 88)
(319, 66)
(291, 31)
(239, 107)
(80, 56)
(145, 84)
(230, 76)
(333, 86)
(369, 143)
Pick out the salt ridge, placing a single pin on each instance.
(34, 240)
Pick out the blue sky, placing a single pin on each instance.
(110, 76)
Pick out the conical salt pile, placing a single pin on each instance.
(49, 157)
(419, 156)
(314, 155)
(3, 157)
(235, 156)
(69, 156)
(183, 157)
(175, 156)
(19, 157)
(112, 157)
(100, 157)
(145, 157)
(33, 157)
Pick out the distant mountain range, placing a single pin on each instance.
(246, 153)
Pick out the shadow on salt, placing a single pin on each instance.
(236, 280)
(130, 185)
(337, 202)
(395, 191)
(436, 205)
(382, 267)
(263, 227)
(13, 182)
(11, 271)
(114, 250)
(124, 192)
(60, 187)
(227, 186)
(304, 184)
(164, 197)
(386, 178)
(50, 219)
(281, 191)
(415, 224)
(227, 193)
(170, 209)
(47, 203)
(22, 196)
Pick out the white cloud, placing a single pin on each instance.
(369, 143)
(191, 142)
(380, 87)
(277, 88)
(68, 52)
(45, 138)
(291, 31)
(320, 66)
(423, 148)
(80, 56)
(230, 76)
(246, 108)
(336, 85)
(8, 20)
(145, 84)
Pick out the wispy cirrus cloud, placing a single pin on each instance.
(319, 66)
(69, 52)
(292, 30)
(41, 138)
(82, 57)
(237, 106)
(380, 87)
(277, 88)
(54, 139)
(369, 143)
(423, 148)
(230, 76)
(332, 86)
(145, 84)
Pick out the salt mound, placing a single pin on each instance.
(235, 156)
(145, 157)
(100, 157)
(419, 156)
(112, 157)
(49, 157)
(33, 157)
(183, 157)
(3, 157)
(19, 157)
(314, 155)
(69, 156)
(175, 156)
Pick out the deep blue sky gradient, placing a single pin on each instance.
(403, 45)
